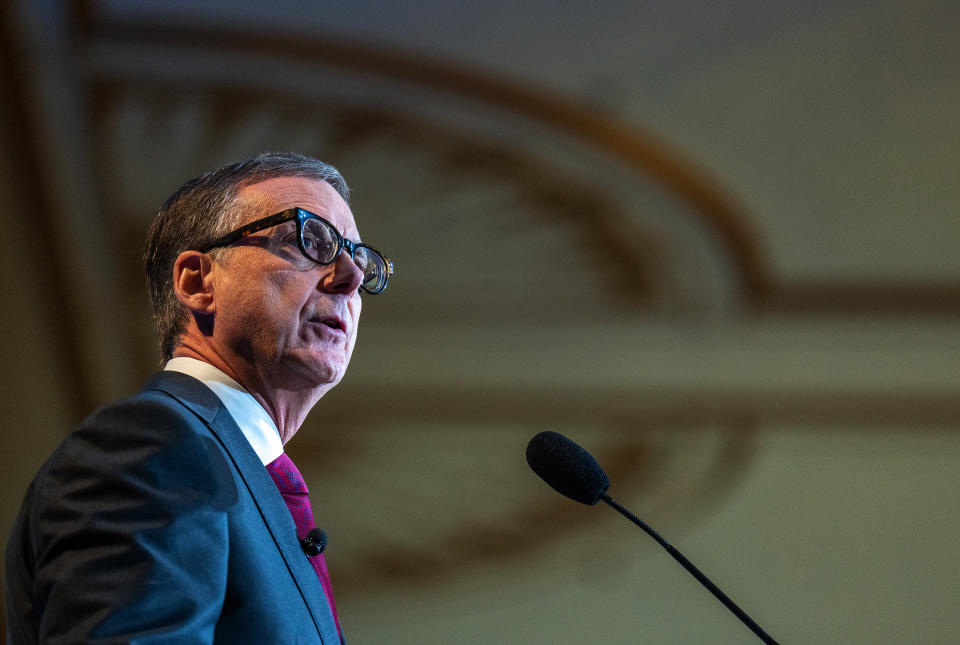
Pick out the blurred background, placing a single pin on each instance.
(714, 243)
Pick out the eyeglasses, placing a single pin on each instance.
(320, 242)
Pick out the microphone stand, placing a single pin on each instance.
(695, 572)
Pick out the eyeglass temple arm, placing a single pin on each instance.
(252, 227)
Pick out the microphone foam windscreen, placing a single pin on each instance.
(567, 467)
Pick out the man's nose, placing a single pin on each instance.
(343, 276)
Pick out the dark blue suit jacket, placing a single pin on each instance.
(156, 522)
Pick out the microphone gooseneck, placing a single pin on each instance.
(572, 471)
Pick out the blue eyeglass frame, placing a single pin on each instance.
(301, 215)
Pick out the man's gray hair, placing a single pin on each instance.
(203, 210)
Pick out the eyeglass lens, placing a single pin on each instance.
(320, 241)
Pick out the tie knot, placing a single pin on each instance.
(287, 476)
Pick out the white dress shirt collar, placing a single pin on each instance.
(254, 422)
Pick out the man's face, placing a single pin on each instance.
(290, 322)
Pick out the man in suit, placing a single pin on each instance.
(173, 516)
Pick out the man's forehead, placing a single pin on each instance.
(277, 194)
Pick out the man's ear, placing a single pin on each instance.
(193, 282)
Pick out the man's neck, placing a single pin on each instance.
(287, 407)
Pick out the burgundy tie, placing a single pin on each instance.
(294, 491)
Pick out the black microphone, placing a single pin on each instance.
(314, 543)
(572, 471)
(567, 467)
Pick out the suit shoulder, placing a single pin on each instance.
(148, 441)
(135, 500)
(146, 418)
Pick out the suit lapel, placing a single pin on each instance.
(200, 400)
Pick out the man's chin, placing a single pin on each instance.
(318, 371)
